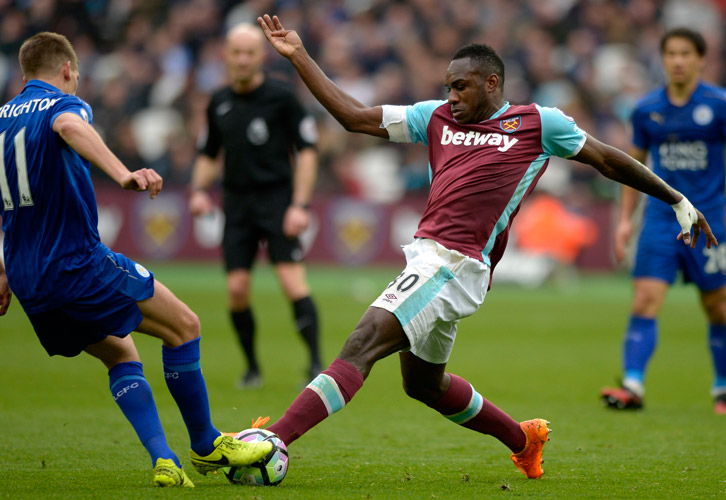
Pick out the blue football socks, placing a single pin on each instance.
(183, 374)
(717, 343)
(640, 341)
(133, 394)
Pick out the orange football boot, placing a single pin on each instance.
(529, 460)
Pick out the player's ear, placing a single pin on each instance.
(66, 70)
(492, 82)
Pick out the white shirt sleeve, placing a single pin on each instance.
(394, 121)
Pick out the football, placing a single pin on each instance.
(269, 471)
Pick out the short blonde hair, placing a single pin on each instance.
(45, 53)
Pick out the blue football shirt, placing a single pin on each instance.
(686, 147)
(49, 211)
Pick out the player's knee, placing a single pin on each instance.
(356, 352)
(295, 288)
(646, 303)
(716, 313)
(188, 325)
(238, 296)
(412, 390)
(428, 394)
(360, 349)
(377, 335)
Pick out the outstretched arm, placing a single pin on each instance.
(629, 200)
(352, 115)
(86, 142)
(618, 166)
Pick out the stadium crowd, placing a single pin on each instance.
(150, 65)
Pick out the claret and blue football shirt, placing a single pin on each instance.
(481, 172)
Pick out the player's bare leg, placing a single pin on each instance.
(293, 280)
(114, 350)
(377, 335)
(168, 318)
(238, 289)
(423, 381)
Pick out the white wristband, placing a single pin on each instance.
(686, 215)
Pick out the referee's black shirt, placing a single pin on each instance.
(259, 132)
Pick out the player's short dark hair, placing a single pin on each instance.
(694, 36)
(484, 57)
(45, 53)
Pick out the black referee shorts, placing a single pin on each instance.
(255, 218)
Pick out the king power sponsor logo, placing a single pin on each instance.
(684, 155)
(472, 138)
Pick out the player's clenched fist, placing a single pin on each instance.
(144, 179)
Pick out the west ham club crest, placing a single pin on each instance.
(511, 124)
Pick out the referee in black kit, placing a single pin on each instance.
(261, 126)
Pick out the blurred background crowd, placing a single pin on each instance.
(148, 67)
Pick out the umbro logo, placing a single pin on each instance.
(389, 297)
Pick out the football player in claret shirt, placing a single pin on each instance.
(486, 156)
(682, 127)
(78, 294)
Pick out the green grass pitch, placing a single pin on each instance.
(535, 353)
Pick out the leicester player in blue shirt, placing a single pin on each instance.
(78, 294)
(682, 127)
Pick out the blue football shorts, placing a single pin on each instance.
(660, 255)
(108, 307)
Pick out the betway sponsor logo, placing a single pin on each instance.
(473, 138)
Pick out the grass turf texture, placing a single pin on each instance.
(535, 353)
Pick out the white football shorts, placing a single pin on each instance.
(437, 288)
